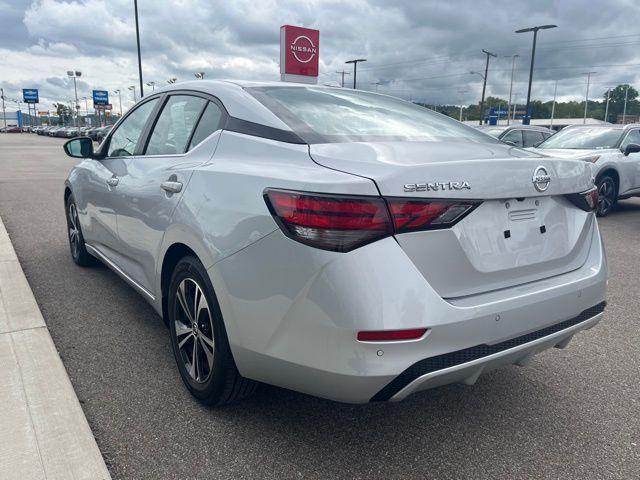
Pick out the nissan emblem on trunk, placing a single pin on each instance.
(541, 179)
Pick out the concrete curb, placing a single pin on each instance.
(44, 433)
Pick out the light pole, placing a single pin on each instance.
(133, 89)
(624, 111)
(355, 68)
(484, 85)
(135, 8)
(377, 84)
(527, 115)
(4, 113)
(75, 74)
(586, 97)
(606, 109)
(119, 99)
(513, 68)
(172, 80)
(199, 75)
(343, 73)
(152, 85)
(553, 106)
(461, 92)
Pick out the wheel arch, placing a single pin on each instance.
(612, 172)
(172, 256)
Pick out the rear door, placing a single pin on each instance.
(155, 180)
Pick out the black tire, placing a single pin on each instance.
(213, 378)
(607, 195)
(74, 233)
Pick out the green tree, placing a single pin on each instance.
(616, 101)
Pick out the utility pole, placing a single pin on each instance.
(119, 99)
(135, 8)
(553, 107)
(4, 113)
(484, 83)
(513, 68)
(586, 97)
(343, 73)
(355, 68)
(624, 111)
(606, 110)
(527, 114)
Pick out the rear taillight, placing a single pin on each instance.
(343, 222)
(587, 201)
(331, 222)
(415, 214)
(391, 335)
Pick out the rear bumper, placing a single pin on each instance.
(465, 366)
(292, 314)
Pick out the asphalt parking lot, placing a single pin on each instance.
(570, 414)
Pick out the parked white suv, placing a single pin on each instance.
(614, 151)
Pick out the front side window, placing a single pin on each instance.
(632, 137)
(125, 138)
(584, 138)
(324, 114)
(172, 131)
(514, 137)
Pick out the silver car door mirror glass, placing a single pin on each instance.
(81, 147)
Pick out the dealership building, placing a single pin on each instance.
(12, 119)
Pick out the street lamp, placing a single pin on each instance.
(119, 99)
(355, 67)
(133, 89)
(527, 117)
(513, 67)
(199, 75)
(152, 85)
(75, 74)
(172, 80)
(586, 97)
(377, 84)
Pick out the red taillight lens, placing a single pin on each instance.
(344, 222)
(391, 335)
(412, 215)
(331, 222)
(591, 197)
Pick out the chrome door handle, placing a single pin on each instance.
(171, 187)
(113, 181)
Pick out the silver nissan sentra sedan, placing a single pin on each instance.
(336, 242)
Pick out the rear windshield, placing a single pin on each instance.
(325, 115)
(584, 138)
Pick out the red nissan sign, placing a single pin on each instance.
(299, 53)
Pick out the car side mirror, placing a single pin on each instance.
(510, 142)
(81, 147)
(631, 148)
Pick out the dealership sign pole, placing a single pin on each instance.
(299, 54)
(30, 96)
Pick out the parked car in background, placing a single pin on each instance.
(518, 135)
(101, 133)
(11, 129)
(613, 151)
(337, 242)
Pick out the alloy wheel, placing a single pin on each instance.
(74, 230)
(606, 196)
(194, 330)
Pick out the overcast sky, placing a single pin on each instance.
(421, 50)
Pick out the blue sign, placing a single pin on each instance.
(30, 95)
(100, 97)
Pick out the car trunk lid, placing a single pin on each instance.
(520, 232)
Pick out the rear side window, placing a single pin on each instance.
(175, 124)
(515, 137)
(209, 123)
(532, 137)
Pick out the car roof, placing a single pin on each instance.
(615, 126)
(504, 128)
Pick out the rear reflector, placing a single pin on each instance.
(391, 335)
(342, 223)
(587, 201)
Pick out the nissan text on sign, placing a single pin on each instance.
(299, 54)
